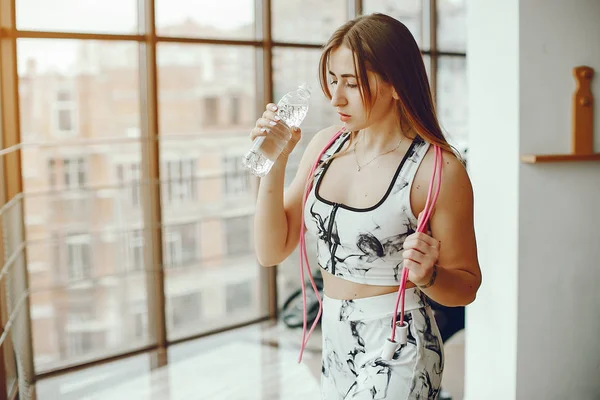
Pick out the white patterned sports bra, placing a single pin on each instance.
(365, 245)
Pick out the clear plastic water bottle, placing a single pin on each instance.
(292, 109)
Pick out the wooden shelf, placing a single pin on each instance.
(582, 136)
(546, 158)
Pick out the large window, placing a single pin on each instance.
(238, 236)
(410, 12)
(127, 152)
(180, 186)
(211, 111)
(128, 177)
(133, 250)
(75, 16)
(190, 18)
(239, 297)
(307, 21)
(181, 245)
(65, 111)
(237, 179)
(67, 173)
(452, 71)
(452, 99)
(79, 261)
(207, 98)
(81, 103)
(80, 334)
(185, 311)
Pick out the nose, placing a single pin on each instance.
(337, 96)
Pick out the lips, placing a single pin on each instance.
(344, 117)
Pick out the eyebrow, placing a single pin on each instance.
(344, 75)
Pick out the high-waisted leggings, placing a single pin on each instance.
(354, 332)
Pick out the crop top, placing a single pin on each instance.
(365, 245)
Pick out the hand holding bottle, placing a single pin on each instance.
(274, 133)
(270, 124)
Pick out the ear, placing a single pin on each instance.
(395, 95)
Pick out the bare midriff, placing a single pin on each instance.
(342, 289)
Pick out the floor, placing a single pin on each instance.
(253, 363)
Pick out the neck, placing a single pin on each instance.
(382, 135)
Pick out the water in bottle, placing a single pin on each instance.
(292, 109)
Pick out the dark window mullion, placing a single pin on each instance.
(433, 46)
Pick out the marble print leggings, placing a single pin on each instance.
(354, 332)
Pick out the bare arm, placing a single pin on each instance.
(278, 215)
(452, 247)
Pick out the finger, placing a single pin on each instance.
(271, 107)
(420, 217)
(296, 133)
(266, 123)
(412, 266)
(256, 132)
(281, 131)
(414, 255)
(271, 116)
(425, 238)
(416, 244)
(293, 141)
(265, 127)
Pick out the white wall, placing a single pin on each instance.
(493, 77)
(537, 319)
(559, 205)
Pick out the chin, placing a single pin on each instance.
(350, 127)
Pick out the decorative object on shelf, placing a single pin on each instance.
(582, 147)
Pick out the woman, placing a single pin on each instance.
(367, 192)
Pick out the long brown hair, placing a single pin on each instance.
(386, 47)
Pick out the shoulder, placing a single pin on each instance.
(455, 190)
(320, 140)
(322, 137)
(456, 185)
(455, 174)
(453, 168)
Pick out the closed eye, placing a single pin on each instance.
(348, 85)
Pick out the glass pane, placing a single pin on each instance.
(207, 101)
(452, 25)
(409, 12)
(307, 21)
(427, 62)
(7, 291)
(82, 198)
(9, 367)
(206, 19)
(14, 281)
(77, 15)
(290, 68)
(452, 102)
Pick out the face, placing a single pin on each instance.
(345, 92)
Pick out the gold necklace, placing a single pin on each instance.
(359, 167)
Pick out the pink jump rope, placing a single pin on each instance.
(391, 344)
